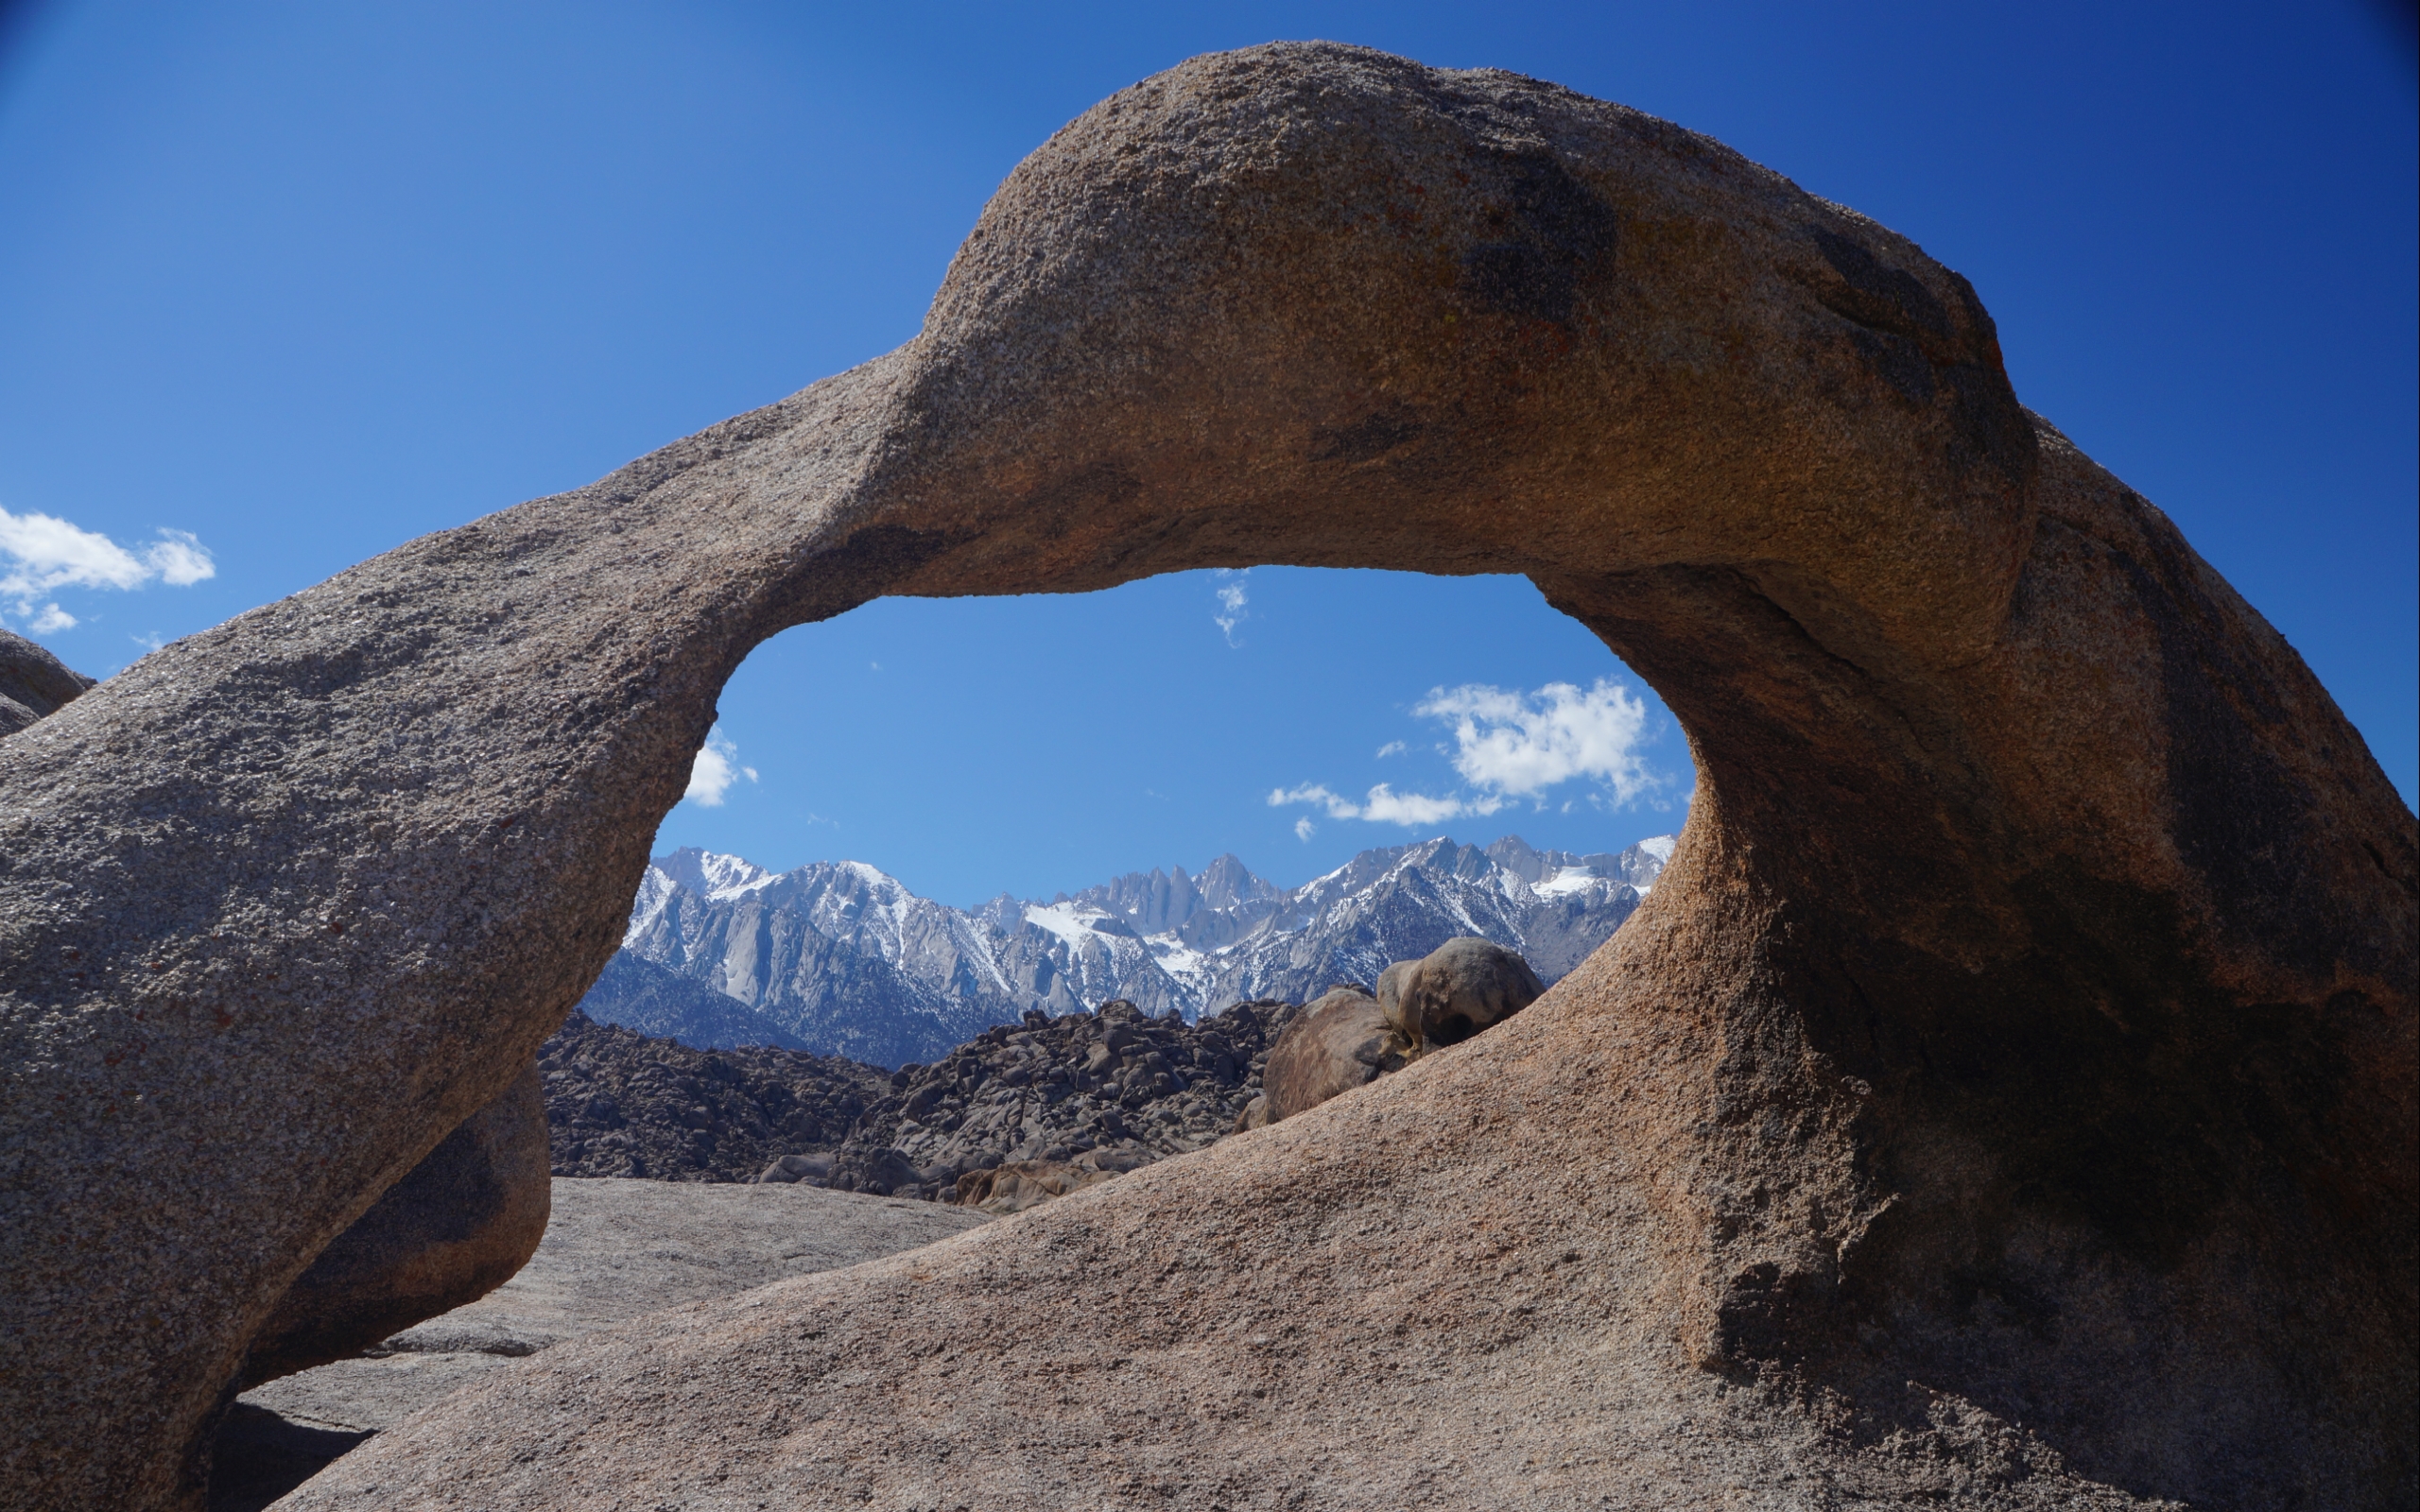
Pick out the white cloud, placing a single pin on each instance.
(40, 555)
(1231, 599)
(715, 770)
(1509, 744)
(1303, 828)
(1520, 744)
(1383, 805)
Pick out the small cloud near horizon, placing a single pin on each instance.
(40, 554)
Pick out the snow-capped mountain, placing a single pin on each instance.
(846, 959)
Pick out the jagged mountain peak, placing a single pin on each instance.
(714, 875)
(841, 955)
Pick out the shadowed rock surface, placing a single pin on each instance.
(2026, 1012)
(448, 1233)
(33, 683)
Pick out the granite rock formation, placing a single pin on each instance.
(1343, 1040)
(33, 683)
(1453, 992)
(459, 1226)
(2005, 1097)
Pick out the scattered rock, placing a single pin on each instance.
(456, 1227)
(1341, 1041)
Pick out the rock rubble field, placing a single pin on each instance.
(623, 1104)
(1117, 1082)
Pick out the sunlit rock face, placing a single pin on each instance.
(2006, 1092)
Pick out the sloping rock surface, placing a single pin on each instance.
(613, 1251)
(2027, 1013)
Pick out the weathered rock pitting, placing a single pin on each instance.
(2027, 1011)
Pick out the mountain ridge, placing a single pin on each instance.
(841, 958)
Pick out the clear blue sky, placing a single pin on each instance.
(303, 280)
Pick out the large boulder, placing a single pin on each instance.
(456, 1228)
(33, 683)
(1454, 991)
(2006, 1096)
(1340, 1042)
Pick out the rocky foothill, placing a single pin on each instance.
(1119, 1087)
(1111, 1090)
(619, 1102)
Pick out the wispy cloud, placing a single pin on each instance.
(715, 770)
(1232, 599)
(40, 555)
(1508, 745)
(1303, 826)
(1382, 805)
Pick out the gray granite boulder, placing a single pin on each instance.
(2027, 1013)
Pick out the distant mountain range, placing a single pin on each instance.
(840, 958)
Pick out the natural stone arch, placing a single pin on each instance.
(2028, 1010)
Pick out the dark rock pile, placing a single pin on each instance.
(619, 1102)
(1116, 1081)
(1128, 1086)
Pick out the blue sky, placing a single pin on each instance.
(283, 285)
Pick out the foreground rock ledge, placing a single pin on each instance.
(2026, 1012)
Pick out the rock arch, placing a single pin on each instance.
(2027, 1013)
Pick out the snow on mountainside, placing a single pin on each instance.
(848, 961)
